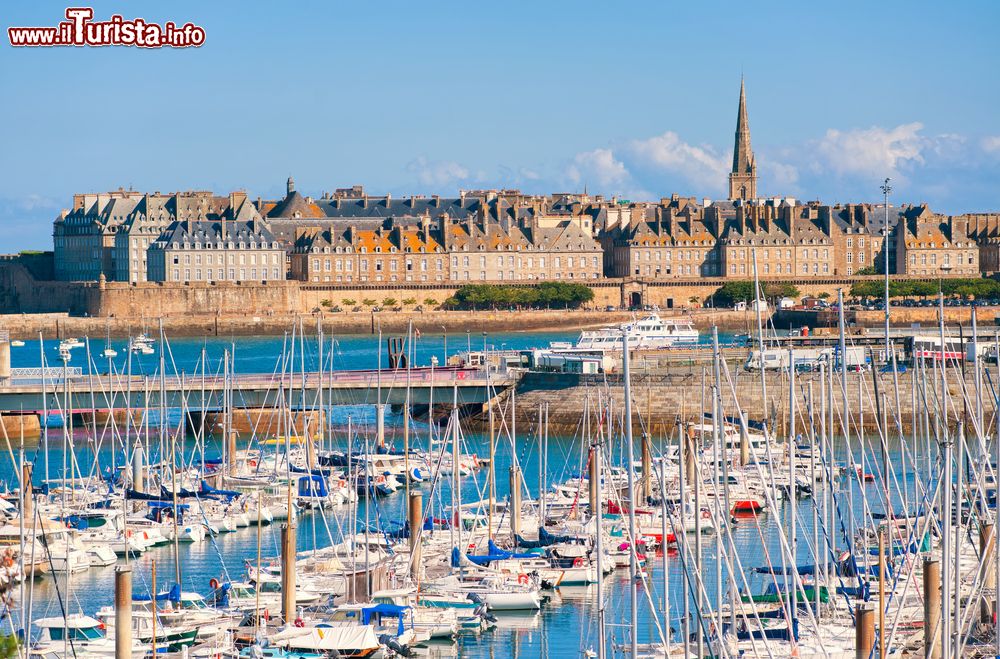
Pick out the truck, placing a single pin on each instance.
(806, 359)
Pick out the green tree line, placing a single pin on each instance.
(742, 291)
(971, 287)
(548, 294)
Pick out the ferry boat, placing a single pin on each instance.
(648, 333)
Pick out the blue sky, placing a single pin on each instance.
(635, 99)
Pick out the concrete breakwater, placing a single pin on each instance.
(662, 400)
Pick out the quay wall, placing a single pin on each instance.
(663, 399)
(56, 325)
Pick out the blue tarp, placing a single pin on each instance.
(391, 610)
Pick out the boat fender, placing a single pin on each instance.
(578, 561)
(522, 579)
(213, 583)
(706, 515)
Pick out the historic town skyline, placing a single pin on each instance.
(638, 122)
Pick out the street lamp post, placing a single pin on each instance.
(886, 189)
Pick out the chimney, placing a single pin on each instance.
(445, 232)
(236, 200)
(437, 201)
(388, 200)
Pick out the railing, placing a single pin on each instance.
(419, 377)
(48, 373)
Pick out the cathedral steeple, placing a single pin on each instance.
(743, 178)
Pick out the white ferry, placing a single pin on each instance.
(649, 333)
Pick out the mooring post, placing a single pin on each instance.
(987, 544)
(932, 609)
(647, 469)
(288, 570)
(123, 612)
(515, 502)
(594, 481)
(26, 493)
(416, 519)
(864, 631)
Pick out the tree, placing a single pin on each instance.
(867, 270)
(389, 302)
(694, 299)
(734, 291)
(543, 295)
(409, 301)
(368, 302)
(326, 303)
(824, 295)
(451, 303)
(775, 290)
(348, 302)
(430, 302)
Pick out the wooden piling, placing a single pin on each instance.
(647, 469)
(864, 631)
(26, 492)
(987, 545)
(123, 612)
(933, 641)
(416, 519)
(288, 533)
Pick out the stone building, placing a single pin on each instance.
(210, 251)
(928, 244)
(155, 213)
(445, 250)
(83, 237)
(673, 239)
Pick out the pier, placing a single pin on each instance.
(80, 392)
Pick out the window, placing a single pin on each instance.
(850, 243)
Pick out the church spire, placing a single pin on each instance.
(743, 178)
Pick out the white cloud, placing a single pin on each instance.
(875, 151)
(991, 144)
(438, 173)
(781, 177)
(702, 166)
(598, 167)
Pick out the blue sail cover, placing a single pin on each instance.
(544, 539)
(172, 595)
(786, 570)
(456, 558)
(390, 610)
(208, 490)
(494, 550)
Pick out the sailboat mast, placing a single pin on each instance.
(629, 456)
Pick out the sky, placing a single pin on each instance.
(634, 99)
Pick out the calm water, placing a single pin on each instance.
(565, 625)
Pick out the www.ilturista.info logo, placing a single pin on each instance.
(80, 30)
